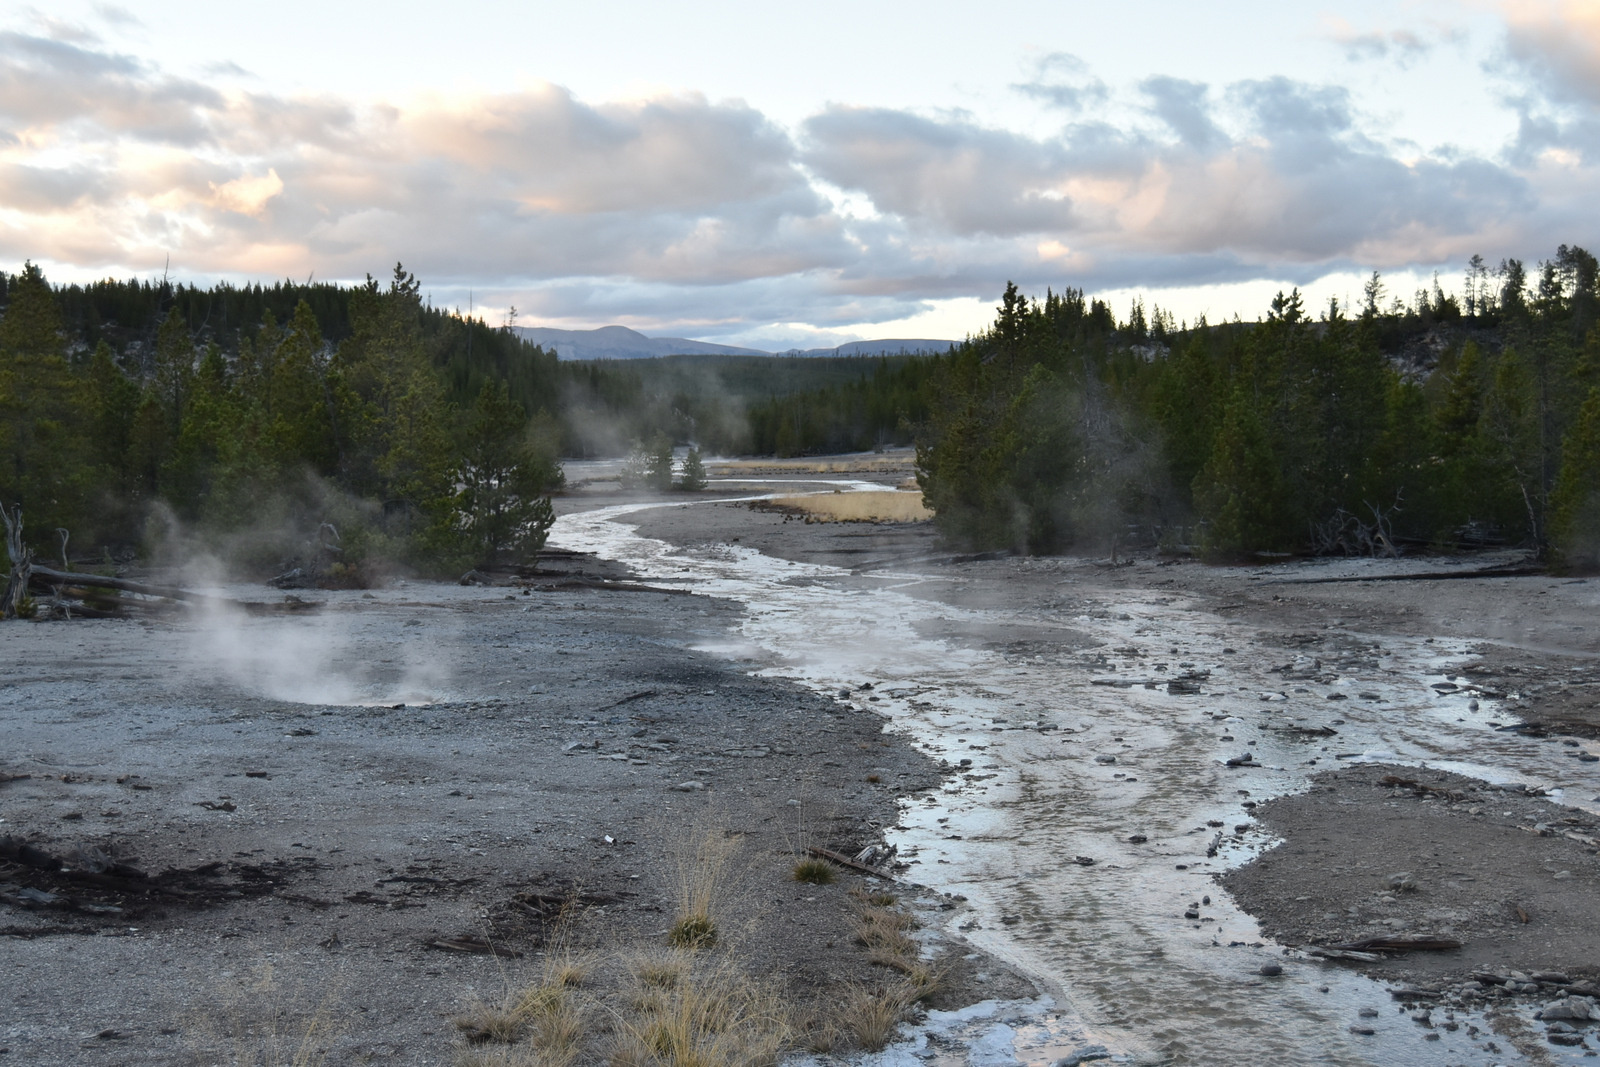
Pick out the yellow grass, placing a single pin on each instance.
(888, 461)
(887, 505)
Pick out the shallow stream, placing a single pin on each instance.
(1072, 755)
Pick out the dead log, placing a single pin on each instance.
(1399, 944)
(846, 861)
(100, 581)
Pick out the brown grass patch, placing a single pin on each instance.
(885, 505)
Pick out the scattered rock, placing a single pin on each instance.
(1087, 1054)
(690, 786)
(1404, 881)
(1579, 1008)
(1270, 970)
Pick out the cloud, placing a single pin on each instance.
(1557, 45)
(1062, 80)
(678, 214)
(1299, 185)
(1184, 108)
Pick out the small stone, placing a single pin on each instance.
(690, 786)
(1105, 759)
(1404, 880)
(1087, 1054)
(1137, 839)
(1368, 1013)
(1270, 970)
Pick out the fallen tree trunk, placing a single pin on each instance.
(100, 581)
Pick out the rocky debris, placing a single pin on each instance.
(1087, 1054)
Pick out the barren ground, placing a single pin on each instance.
(171, 836)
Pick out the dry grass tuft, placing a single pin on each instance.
(815, 871)
(703, 865)
(710, 1016)
(661, 971)
(483, 1023)
(261, 1023)
(692, 932)
(872, 1014)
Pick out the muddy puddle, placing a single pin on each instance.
(1106, 774)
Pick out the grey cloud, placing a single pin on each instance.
(1563, 62)
(1282, 107)
(952, 175)
(25, 188)
(117, 15)
(1554, 53)
(1063, 80)
(1184, 107)
(1383, 44)
(48, 81)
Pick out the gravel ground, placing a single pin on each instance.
(173, 833)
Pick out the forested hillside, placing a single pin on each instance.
(1444, 421)
(334, 426)
(343, 425)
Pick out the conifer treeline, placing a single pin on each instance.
(1444, 421)
(405, 435)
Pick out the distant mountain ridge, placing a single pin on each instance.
(619, 342)
(889, 346)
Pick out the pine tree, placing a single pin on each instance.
(503, 502)
(1575, 504)
(694, 472)
(1239, 491)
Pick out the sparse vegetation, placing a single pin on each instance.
(710, 1015)
(888, 505)
(701, 868)
(815, 871)
(263, 1023)
(872, 1014)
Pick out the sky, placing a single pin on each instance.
(801, 176)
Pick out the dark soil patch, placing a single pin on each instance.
(95, 887)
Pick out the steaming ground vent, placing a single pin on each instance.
(328, 661)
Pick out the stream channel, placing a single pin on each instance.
(1124, 969)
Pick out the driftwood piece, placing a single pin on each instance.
(629, 699)
(476, 945)
(846, 861)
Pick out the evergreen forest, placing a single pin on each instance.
(1442, 421)
(348, 427)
